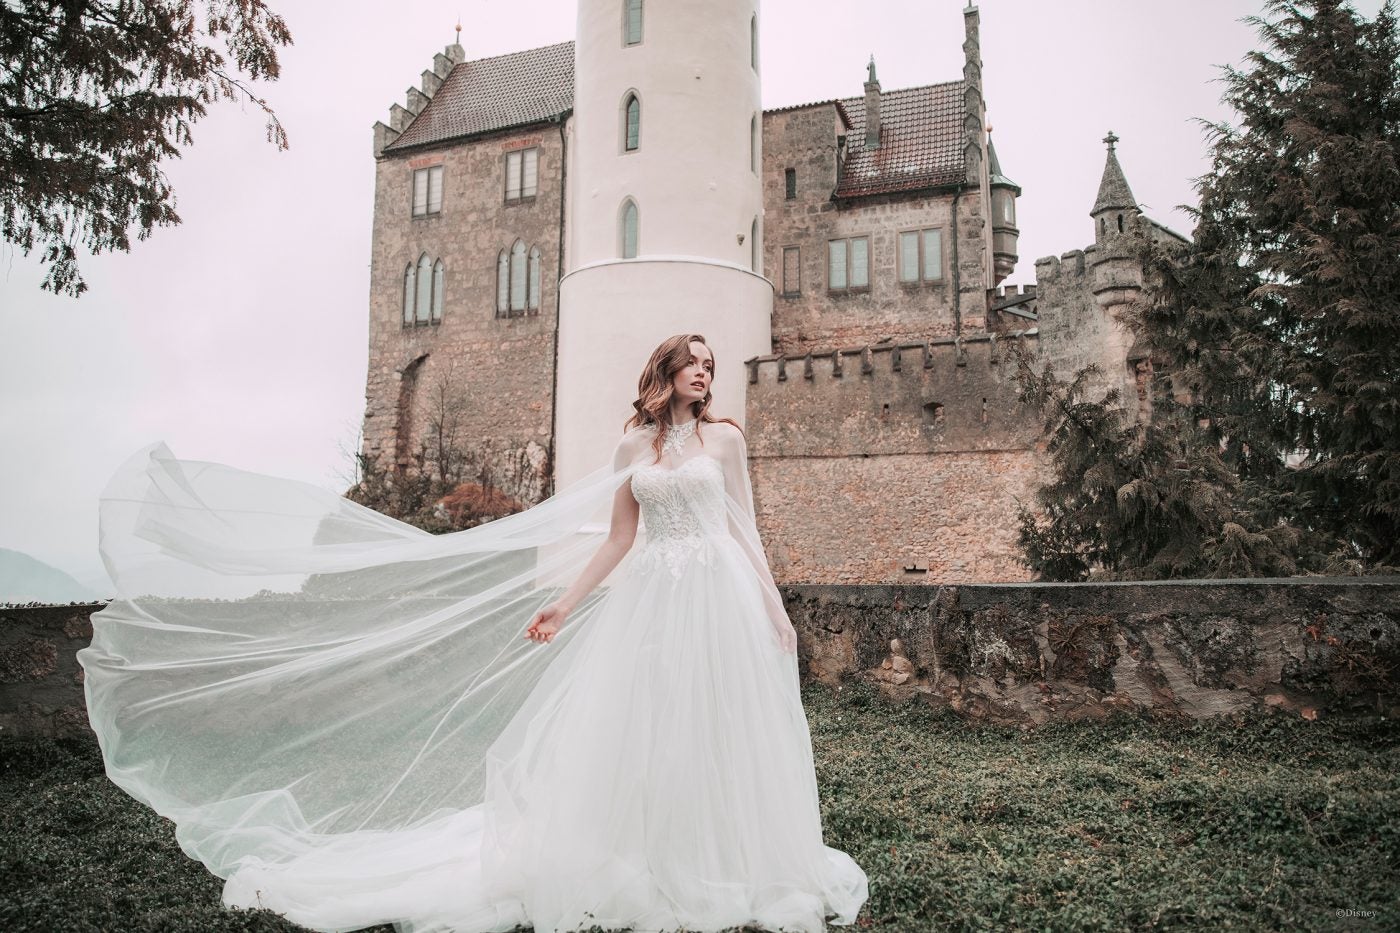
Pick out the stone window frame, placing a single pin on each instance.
(428, 173)
(755, 252)
(753, 143)
(627, 7)
(920, 281)
(528, 260)
(753, 42)
(521, 197)
(789, 184)
(849, 289)
(413, 290)
(797, 263)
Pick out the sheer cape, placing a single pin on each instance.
(282, 666)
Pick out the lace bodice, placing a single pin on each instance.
(682, 509)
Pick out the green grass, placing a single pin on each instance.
(1258, 823)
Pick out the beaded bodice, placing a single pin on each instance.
(682, 507)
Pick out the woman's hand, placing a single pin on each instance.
(547, 622)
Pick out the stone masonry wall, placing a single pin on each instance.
(804, 139)
(501, 369)
(905, 466)
(1023, 653)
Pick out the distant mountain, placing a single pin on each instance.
(24, 579)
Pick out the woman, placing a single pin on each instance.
(354, 722)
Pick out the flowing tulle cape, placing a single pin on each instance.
(282, 666)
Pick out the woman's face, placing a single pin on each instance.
(692, 382)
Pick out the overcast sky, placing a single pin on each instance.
(240, 335)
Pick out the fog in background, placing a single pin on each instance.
(240, 335)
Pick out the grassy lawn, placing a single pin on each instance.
(1257, 824)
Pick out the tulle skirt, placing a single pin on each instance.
(659, 776)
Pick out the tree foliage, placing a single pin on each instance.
(1274, 441)
(1283, 321)
(94, 94)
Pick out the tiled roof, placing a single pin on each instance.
(921, 141)
(494, 94)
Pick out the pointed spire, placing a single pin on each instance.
(870, 68)
(1114, 193)
(994, 166)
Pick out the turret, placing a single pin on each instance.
(1117, 270)
(1004, 232)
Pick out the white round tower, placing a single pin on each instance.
(665, 210)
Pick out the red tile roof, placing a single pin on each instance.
(494, 94)
(921, 141)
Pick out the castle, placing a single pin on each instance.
(543, 219)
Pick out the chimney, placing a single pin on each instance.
(872, 107)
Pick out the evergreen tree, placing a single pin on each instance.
(1132, 500)
(1281, 323)
(93, 94)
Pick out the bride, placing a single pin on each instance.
(355, 722)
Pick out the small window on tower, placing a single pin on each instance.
(632, 22)
(632, 129)
(790, 182)
(628, 232)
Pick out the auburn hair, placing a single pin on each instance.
(655, 389)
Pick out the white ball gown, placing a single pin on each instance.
(343, 719)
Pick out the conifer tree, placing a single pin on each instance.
(1281, 324)
(93, 94)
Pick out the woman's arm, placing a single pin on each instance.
(622, 532)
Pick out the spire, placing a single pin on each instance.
(994, 166)
(1114, 193)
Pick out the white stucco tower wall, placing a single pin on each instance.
(698, 191)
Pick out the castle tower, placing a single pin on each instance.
(1004, 232)
(665, 204)
(1117, 272)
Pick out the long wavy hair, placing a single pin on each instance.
(655, 389)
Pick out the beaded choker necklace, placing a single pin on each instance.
(677, 435)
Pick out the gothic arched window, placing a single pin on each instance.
(424, 298)
(632, 123)
(409, 288)
(755, 256)
(532, 300)
(632, 22)
(753, 41)
(753, 144)
(627, 229)
(517, 276)
(439, 273)
(502, 283)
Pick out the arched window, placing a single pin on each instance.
(632, 22)
(753, 41)
(755, 255)
(409, 288)
(502, 284)
(425, 289)
(517, 276)
(1120, 223)
(753, 144)
(533, 297)
(439, 273)
(631, 123)
(627, 229)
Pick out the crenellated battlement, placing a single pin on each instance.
(890, 357)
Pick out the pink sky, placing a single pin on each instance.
(240, 335)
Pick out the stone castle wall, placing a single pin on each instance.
(892, 463)
(803, 139)
(500, 370)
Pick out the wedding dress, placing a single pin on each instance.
(343, 719)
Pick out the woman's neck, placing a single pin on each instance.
(681, 415)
